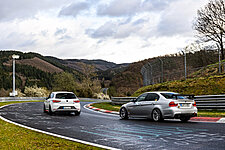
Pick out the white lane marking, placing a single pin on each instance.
(222, 120)
(85, 106)
(56, 135)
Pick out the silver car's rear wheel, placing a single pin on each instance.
(123, 113)
(157, 115)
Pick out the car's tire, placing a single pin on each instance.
(44, 109)
(77, 113)
(123, 113)
(157, 115)
(50, 110)
(185, 119)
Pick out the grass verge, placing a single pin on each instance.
(211, 113)
(14, 137)
(107, 106)
(201, 113)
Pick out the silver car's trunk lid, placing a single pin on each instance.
(184, 103)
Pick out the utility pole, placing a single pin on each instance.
(185, 64)
(151, 80)
(14, 92)
(219, 61)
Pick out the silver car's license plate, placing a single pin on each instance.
(66, 107)
(183, 105)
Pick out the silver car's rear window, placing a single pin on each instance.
(171, 96)
(65, 96)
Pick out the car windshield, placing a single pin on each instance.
(65, 96)
(171, 96)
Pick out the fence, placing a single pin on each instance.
(162, 70)
(6, 99)
(203, 101)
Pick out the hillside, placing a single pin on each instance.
(206, 81)
(198, 86)
(130, 80)
(31, 69)
(100, 65)
(121, 79)
(35, 69)
(37, 63)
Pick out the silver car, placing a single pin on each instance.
(160, 105)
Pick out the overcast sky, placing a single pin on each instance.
(120, 31)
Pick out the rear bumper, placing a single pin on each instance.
(72, 109)
(65, 108)
(178, 116)
(178, 113)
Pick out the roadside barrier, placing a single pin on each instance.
(210, 101)
(6, 99)
(202, 101)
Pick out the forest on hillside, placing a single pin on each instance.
(121, 81)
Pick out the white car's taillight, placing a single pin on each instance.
(76, 101)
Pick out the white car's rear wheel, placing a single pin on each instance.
(44, 109)
(50, 110)
(77, 113)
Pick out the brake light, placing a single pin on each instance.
(194, 104)
(76, 101)
(56, 101)
(172, 104)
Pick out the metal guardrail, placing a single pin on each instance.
(210, 101)
(6, 99)
(203, 101)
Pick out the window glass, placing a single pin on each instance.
(65, 96)
(152, 97)
(52, 95)
(142, 97)
(171, 96)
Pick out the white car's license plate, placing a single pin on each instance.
(66, 107)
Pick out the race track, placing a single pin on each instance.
(109, 130)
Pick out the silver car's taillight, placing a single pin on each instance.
(194, 104)
(173, 104)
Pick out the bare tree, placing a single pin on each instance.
(210, 23)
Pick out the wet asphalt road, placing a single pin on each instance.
(109, 130)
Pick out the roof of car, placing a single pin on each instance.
(61, 92)
(160, 92)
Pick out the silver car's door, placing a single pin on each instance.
(149, 104)
(134, 108)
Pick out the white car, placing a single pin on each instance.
(161, 105)
(62, 102)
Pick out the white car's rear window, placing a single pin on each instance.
(65, 96)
